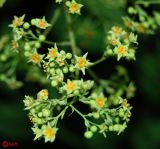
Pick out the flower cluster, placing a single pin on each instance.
(140, 21)
(107, 100)
(73, 6)
(121, 43)
(43, 111)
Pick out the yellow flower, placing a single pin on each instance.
(121, 51)
(41, 23)
(82, 63)
(43, 94)
(52, 52)
(117, 30)
(74, 7)
(100, 102)
(49, 133)
(18, 21)
(70, 86)
(36, 58)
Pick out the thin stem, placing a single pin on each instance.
(82, 115)
(99, 61)
(71, 34)
(148, 2)
(72, 38)
(63, 43)
(52, 22)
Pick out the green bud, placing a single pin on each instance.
(46, 112)
(52, 64)
(88, 134)
(26, 25)
(37, 44)
(121, 113)
(58, 71)
(33, 21)
(96, 115)
(26, 53)
(65, 70)
(42, 38)
(116, 127)
(62, 52)
(71, 69)
(76, 93)
(142, 18)
(131, 10)
(109, 52)
(39, 121)
(52, 71)
(93, 128)
(27, 46)
(111, 128)
(40, 114)
(69, 56)
(54, 83)
(3, 57)
(32, 111)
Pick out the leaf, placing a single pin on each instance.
(2, 2)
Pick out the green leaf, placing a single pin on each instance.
(2, 2)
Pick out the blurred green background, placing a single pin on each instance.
(97, 17)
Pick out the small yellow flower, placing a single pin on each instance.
(121, 51)
(113, 42)
(43, 94)
(117, 30)
(52, 52)
(41, 23)
(70, 86)
(49, 133)
(18, 21)
(60, 59)
(82, 63)
(74, 7)
(36, 58)
(100, 102)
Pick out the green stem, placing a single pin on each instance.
(82, 115)
(99, 61)
(63, 43)
(148, 2)
(52, 22)
(72, 39)
(71, 34)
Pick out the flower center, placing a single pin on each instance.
(100, 102)
(82, 62)
(74, 7)
(44, 92)
(71, 86)
(35, 58)
(42, 24)
(121, 50)
(52, 53)
(113, 42)
(117, 30)
(49, 133)
(17, 22)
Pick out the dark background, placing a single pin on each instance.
(143, 130)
